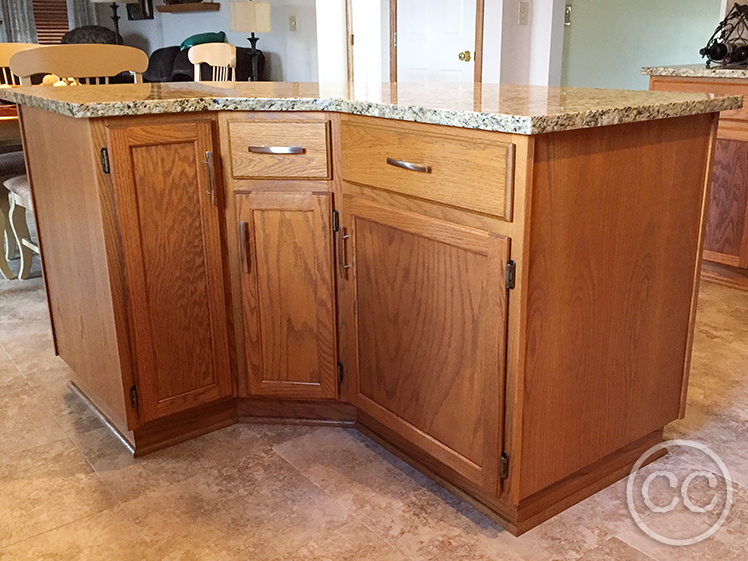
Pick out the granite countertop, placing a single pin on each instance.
(504, 108)
(695, 71)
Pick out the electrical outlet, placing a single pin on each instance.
(523, 17)
(292, 23)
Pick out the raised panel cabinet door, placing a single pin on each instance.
(169, 221)
(726, 238)
(288, 293)
(430, 333)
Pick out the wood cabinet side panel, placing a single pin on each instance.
(74, 241)
(611, 286)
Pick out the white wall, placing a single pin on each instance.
(608, 42)
(291, 56)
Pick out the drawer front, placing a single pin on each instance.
(279, 150)
(702, 85)
(467, 170)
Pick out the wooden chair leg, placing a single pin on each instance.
(6, 232)
(5, 228)
(21, 232)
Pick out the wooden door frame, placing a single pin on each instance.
(479, 22)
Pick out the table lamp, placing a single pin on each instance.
(115, 7)
(253, 17)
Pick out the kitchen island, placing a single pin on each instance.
(496, 283)
(726, 237)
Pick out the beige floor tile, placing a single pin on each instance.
(25, 420)
(46, 487)
(404, 507)
(257, 510)
(109, 535)
(128, 477)
(351, 542)
(615, 549)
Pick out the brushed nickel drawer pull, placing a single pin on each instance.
(244, 243)
(211, 177)
(342, 238)
(277, 149)
(409, 166)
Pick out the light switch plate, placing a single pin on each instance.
(292, 23)
(523, 17)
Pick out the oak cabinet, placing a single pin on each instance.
(430, 332)
(169, 220)
(288, 293)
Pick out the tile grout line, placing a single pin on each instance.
(353, 515)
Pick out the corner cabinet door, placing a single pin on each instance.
(288, 293)
(172, 252)
(430, 334)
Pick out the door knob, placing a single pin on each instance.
(465, 56)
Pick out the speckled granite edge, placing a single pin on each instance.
(517, 124)
(696, 72)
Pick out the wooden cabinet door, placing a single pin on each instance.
(171, 242)
(430, 333)
(288, 293)
(726, 238)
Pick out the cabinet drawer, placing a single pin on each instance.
(278, 149)
(471, 170)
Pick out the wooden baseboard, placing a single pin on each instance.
(552, 500)
(271, 411)
(724, 275)
(179, 427)
(535, 509)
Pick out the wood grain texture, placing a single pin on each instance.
(74, 242)
(313, 137)
(725, 275)
(480, 6)
(179, 427)
(173, 263)
(289, 294)
(726, 86)
(727, 223)
(468, 169)
(615, 234)
(276, 410)
(430, 333)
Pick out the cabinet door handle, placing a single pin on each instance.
(244, 243)
(277, 149)
(422, 168)
(342, 264)
(211, 177)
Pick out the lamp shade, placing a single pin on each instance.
(251, 17)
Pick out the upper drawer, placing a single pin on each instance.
(466, 169)
(279, 149)
(704, 85)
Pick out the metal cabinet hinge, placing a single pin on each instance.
(340, 373)
(504, 466)
(511, 274)
(335, 220)
(134, 398)
(104, 156)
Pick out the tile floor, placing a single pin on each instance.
(70, 491)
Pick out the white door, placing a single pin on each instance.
(431, 34)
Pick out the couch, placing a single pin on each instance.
(170, 64)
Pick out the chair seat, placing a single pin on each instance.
(11, 164)
(20, 187)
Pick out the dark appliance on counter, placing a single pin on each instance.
(728, 46)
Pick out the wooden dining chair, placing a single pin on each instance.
(220, 56)
(89, 64)
(20, 202)
(7, 50)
